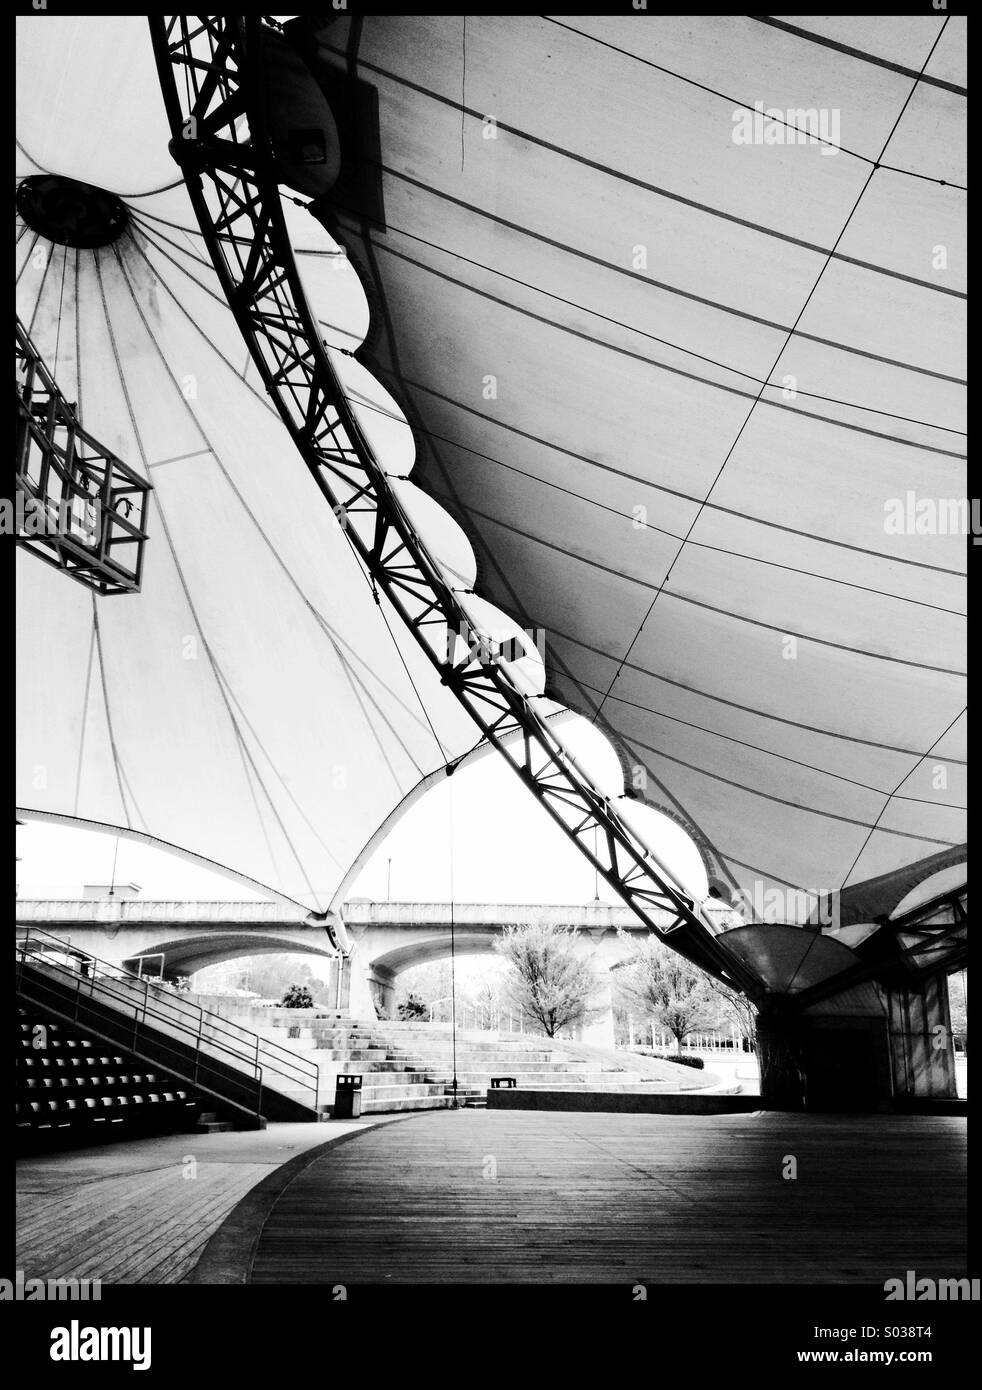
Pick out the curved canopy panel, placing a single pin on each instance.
(691, 376)
(789, 959)
(253, 703)
(894, 894)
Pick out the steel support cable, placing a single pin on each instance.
(281, 563)
(224, 688)
(643, 333)
(724, 858)
(46, 247)
(742, 106)
(85, 717)
(715, 608)
(163, 188)
(812, 36)
(757, 398)
(96, 649)
(600, 467)
(614, 347)
(619, 174)
(672, 535)
(618, 323)
(405, 667)
(645, 279)
(799, 806)
(365, 404)
(801, 312)
(368, 405)
(782, 757)
(114, 751)
(334, 637)
(707, 849)
(453, 941)
(910, 771)
(720, 699)
(399, 653)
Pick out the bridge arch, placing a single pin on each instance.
(471, 941)
(185, 955)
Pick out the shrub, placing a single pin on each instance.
(412, 1008)
(297, 997)
(683, 1061)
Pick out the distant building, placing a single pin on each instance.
(111, 890)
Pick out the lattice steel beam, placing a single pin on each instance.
(77, 507)
(211, 74)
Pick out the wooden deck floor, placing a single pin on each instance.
(502, 1197)
(141, 1211)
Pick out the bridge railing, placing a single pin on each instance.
(155, 1006)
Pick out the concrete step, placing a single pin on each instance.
(604, 1087)
(471, 1038)
(374, 1080)
(353, 1054)
(373, 1107)
(426, 1088)
(387, 1064)
(504, 1059)
(209, 1123)
(541, 1071)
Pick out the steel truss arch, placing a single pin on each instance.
(221, 141)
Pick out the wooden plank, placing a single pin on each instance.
(646, 1198)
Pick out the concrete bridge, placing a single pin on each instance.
(180, 938)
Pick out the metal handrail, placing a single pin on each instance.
(249, 1089)
(204, 1027)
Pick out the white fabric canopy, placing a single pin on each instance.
(677, 387)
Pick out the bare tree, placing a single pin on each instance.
(487, 1003)
(547, 976)
(739, 1008)
(658, 981)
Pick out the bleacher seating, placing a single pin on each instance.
(72, 1089)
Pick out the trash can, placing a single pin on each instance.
(347, 1096)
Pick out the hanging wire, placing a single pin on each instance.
(112, 881)
(451, 769)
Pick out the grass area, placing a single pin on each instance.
(679, 1078)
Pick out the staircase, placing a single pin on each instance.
(410, 1066)
(244, 1077)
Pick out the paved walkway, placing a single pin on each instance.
(500, 1197)
(140, 1211)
